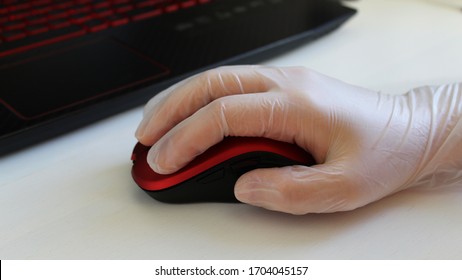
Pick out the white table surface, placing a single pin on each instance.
(73, 197)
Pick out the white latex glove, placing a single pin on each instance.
(367, 144)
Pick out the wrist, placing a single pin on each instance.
(441, 162)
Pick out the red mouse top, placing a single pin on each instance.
(235, 155)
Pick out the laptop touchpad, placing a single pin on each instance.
(73, 76)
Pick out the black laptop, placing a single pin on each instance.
(68, 63)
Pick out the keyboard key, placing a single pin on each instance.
(120, 1)
(56, 14)
(3, 10)
(82, 1)
(13, 35)
(115, 20)
(80, 18)
(101, 4)
(145, 13)
(63, 5)
(80, 9)
(123, 8)
(20, 6)
(13, 25)
(36, 19)
(41, 10)
(59, 23)
(19, 15)
(172, 8)
(41, 2)
(95, 25)
(36, 29)
(188, 4)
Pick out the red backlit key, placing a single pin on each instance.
(59, 23)
(36, 29)
(172, 8)
(13, 25)
(115, 20)
(13, 35)
(188, 4)
(146, 13)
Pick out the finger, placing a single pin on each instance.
(257, 115)
(300, 189)
(180, 101)
(157, 101)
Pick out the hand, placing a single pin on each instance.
(367, 144)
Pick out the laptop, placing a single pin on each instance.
(65, 64)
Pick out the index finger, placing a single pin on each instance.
(180, 101)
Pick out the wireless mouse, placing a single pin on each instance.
(211, 176)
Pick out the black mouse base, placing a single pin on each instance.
(217, 184)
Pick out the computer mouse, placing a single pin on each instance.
(211, 176)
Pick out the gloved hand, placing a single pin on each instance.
(367, 144)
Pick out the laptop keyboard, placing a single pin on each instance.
(25, 24)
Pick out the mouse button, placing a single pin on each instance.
(139, 152)
(212, 176)
(142, 173)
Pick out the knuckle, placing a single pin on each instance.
(205, 77)
(217, 109)
(218, 106)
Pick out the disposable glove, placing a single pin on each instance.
(367, 144)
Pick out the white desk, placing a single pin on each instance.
(73, 197)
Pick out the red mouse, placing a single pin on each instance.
(211, 176)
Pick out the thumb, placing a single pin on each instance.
(300, 189)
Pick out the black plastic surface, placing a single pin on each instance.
(93, 77)
(217, 183)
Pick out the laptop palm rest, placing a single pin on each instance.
(98, 75)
